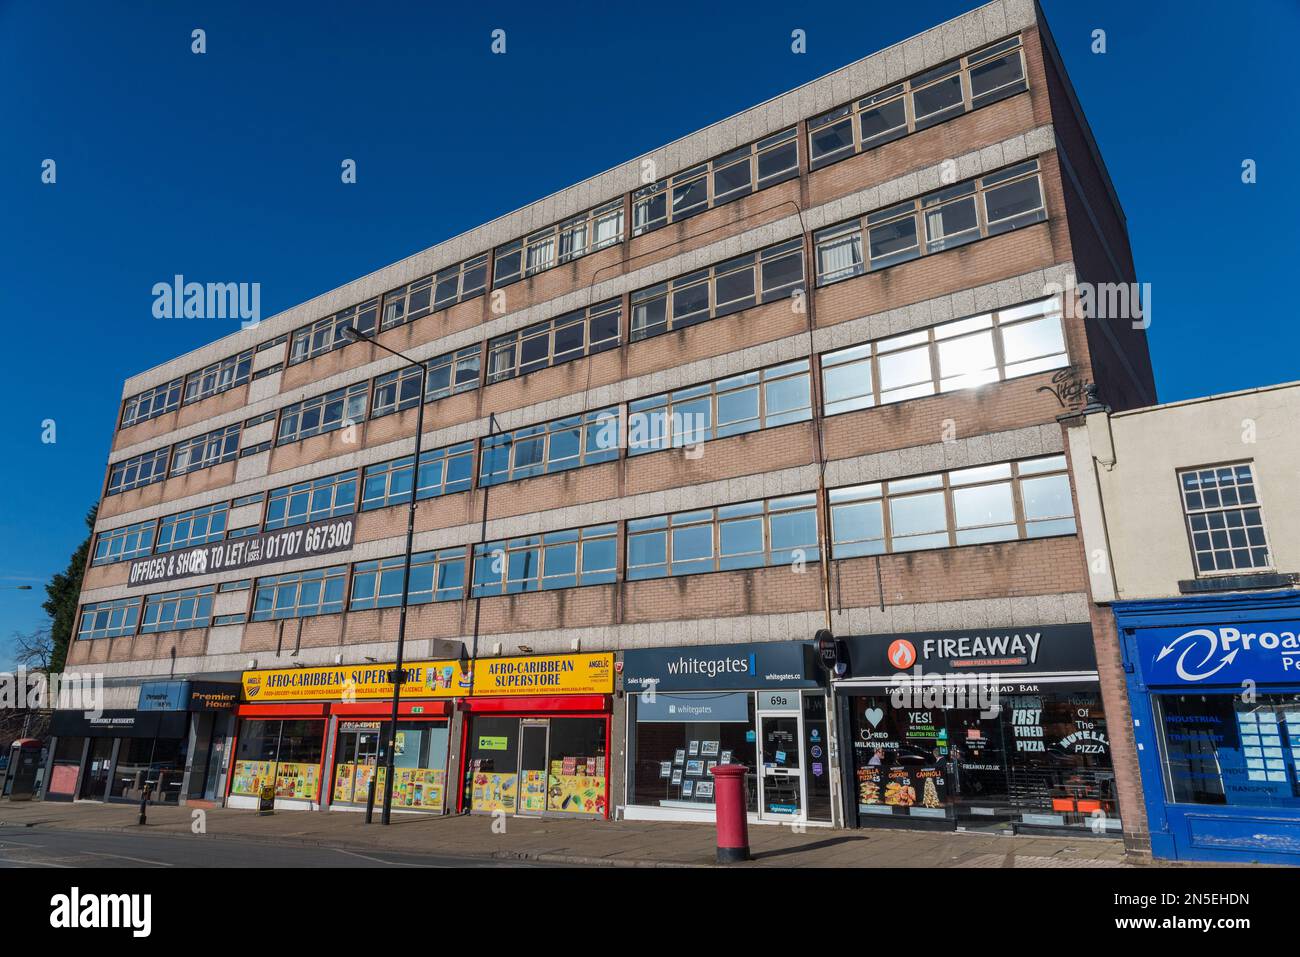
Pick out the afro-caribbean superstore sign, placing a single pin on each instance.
(545, 674)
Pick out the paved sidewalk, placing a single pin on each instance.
(620, 844)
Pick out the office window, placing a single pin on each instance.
(300, 594)
(243, 532)
(766, 276)
(567, 443)
(435, 576)
(407, 303)
(312, 501)
(204, 451)
(567, 559)
(452, 373)
(119, 544)
(762, 399)
(109, 619)
(442, 472)
(777, 531)
(152, 402)
(460, 282)
(326, 335)
(143, 469)
(989, 503)
(944, 219)
(197, 526)
(396, 390)
(178, 610)
(722, 179)
(564, 242)
(571, 336)
(955, 355)
(939, 94)
(218, 377)
(1224, 519)
(323, 413)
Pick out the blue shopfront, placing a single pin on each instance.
(1214, 685)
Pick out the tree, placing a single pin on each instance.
(33, 650)
(64, 591)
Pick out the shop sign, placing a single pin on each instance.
(1006, 650)
(1259, 651)
(213, 695)
(162, 696)
(778, 701)
(492, 743)
(423, 679)
(119, 724)
(729, 708)
(545, 675)
(303, 541)
(758, 665)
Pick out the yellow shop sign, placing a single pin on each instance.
(545, 675)
(424, 679)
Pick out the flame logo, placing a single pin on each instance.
(902, 654)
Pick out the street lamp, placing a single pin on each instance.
(18, 587)
(397, 676)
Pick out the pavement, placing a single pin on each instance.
(466, 839)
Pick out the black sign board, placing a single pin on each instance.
(119, 724)
(1008, 649)
(303, 541)
(213, 695)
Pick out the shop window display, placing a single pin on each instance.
(285, 754)
(537, 766)
(419, 764)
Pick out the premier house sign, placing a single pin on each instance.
(305, 541)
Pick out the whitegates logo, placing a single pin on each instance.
(1220, 648)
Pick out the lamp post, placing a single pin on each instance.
(398, 671)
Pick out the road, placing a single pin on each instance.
(54, 848)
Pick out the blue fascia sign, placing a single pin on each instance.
(740, 667)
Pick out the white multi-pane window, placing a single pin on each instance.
(178, 610)
(453, 373)
(300, 594)
(567, 443)
(138, 470)
(567, 559)
(992, 347)
(460, 282)
(311, 501)
(407, 303)
(761, 399)
(204, 451)
(323, 413)
(561, 243)
(571, 336)
(219, 377)
(722, 179)
(1006, 501)
(953, 216)
(396, 390)
(765, 276)
(1224, 519)
(435, 576)
(152, 402)
(119, 544)
(939, 94)
(109, 619)
(196, 526)
(327, 334)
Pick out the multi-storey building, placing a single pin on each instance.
(797, 372)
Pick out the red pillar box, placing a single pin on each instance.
(733, 820)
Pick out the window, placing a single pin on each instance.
(939, 94)
(326, 334)
(109, 619)
(152, 402)
(567, 443)
(766, 276)
(568, 559)
(988, 503)
(1224, 519)
(564, 242)
(198, 526)
(218, 377)
(749, 535)
(204, 451)
(580, 333)
(396, 390)
(762, 399)
(300, 594)
(460, 282)
(452, 373)
(442, 472)
(324, 413)
(312, 501)
(435, 576)
(955, 355)
(143, 469)
(407, 303)
(722, 179)
(119, 544)
(178, 610)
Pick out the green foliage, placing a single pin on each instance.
(64, 591)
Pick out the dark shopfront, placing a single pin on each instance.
(991, 729)
(762, 705)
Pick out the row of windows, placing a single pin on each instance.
(326, 335)
(564, 242)
(583, 332)
(567, 443)
(198, 526)
(442, 472)
(178, 610)
(945, 219)
(568, 559)
(312, 501)
(205, 451)
(216, 378)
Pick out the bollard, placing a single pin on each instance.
(370, 800)
(144, 801)
(732, 815)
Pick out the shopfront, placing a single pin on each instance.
(113, 755)
(1214, 686)
(995, 729)
(536, 736)
(691, 708)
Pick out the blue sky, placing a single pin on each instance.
(225, 167)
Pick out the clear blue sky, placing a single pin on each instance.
(225, 167)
